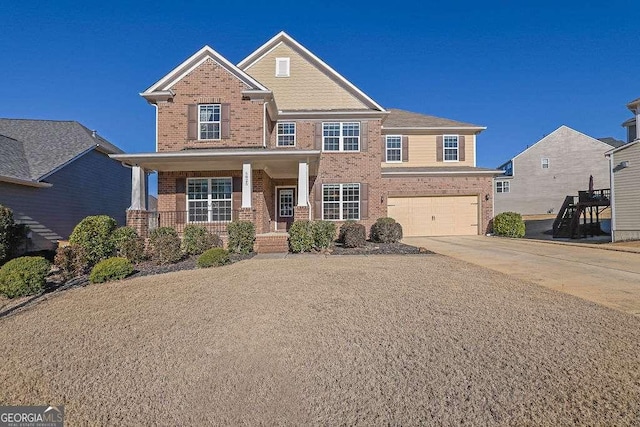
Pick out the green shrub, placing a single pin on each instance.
(12, 235)
(23, 276)
(71, 260)
(94, 235)
(509, 224)
(196, 239)
(386, 230)
(128, 244)
(213, 258)
(323, 233)
(241, 236)
(116, 268)
(353, 235)
(301, 236)
(164, 245)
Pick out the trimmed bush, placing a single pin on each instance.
(12, 235)
(323, 233)
(301, 236)
(353, 235)
(213, 258)
(128, 244)
(71, 260)
(386, 230)
(164, 245)
(23, 276)
(93, 234)
(509, 224)
(116, 268)
(196, 239)
(241, 236)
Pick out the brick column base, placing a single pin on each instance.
(139, 220)
(301, 213)
(245, 214)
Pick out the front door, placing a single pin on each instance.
(285, 199)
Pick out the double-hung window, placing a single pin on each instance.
(545, 163)
(341, 136)
(450, 148)
(502, 186)
(286, 134)
(209, 199)
(394, 148)
(209, 121)
(341, 202)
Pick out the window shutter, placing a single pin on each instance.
(318, 136)
(364, 136)
(181, 200)
(225, 121)
(192, 121)
(364, 200)
(461, 148)
(439, 152)
(383, 140)
(317, 203)
(405, 148)
(236, 197)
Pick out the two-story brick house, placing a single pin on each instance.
(283, 136)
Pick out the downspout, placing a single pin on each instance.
(264, 125)
(611, 199)
(156, 106)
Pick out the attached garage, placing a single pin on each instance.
(435, 216)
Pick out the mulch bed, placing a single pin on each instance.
(147, 268)
(372, 248)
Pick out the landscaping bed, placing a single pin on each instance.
(372, 248)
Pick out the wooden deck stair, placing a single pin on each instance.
(567, 222)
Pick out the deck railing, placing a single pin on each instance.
(600, 195)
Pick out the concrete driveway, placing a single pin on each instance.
(610, 278)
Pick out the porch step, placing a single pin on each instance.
(271, 243)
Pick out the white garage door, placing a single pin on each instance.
(435, 216)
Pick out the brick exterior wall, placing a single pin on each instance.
(139, 220)
(480, 186)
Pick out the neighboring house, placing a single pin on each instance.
(282, 136)
(625, 182)
(537, 180)
(54, 173)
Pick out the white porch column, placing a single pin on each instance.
(138, 189)
(247, 185)
(303, 184)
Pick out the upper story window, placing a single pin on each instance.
(450, 148)
(286, 134)
(209, 121)
(502, 186)
(283, 67)
(341, 136)
(545, 163)
(393, 149)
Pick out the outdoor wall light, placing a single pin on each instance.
(624, 164)
(486, 197)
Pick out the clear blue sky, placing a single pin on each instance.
(521, 68)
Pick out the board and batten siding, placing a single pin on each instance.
(423, 151)
(93, 184)
(627, 194)
(573, 157)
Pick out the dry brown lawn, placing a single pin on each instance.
(314, 340)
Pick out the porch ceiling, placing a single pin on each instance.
(277, 163)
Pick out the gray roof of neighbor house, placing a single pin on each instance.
(31, 149)
(407, 119)
(615, 143)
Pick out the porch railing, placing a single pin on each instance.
(179, 219)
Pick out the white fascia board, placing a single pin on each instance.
(622, 147)
(445, 128)
(221, 153)
(496, 173)
(27, 182)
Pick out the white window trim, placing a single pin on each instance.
(341, 138)
(444, 157)
(543, 163)
(278, 134)
(286, 61)
(341, 201)
(219, 123)
(209, 199)
(386, 149)
(502, 186)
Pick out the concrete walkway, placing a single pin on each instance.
(610, 278)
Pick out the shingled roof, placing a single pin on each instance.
(31, 149)
(407, 119)
(615, 143)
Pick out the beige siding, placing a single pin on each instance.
(627, 190)
(307, 88)
(422, 152)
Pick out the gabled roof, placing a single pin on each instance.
(33, 149)
(283, 37)
(402, 119)
(164, 84)
(615, 143)
(633, 104)
(622, 147)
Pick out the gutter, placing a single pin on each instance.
(27, 182)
